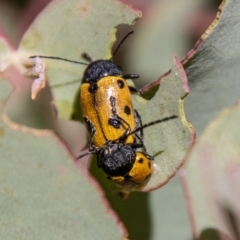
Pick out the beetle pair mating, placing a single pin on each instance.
(115, 127)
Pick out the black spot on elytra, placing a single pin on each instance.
(127, 110)
(149, 165)
(120, 84)
(140, 160)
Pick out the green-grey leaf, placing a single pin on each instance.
(44, 195)
(213, 68)
(67, 29)
(212, 176)
(169, 141)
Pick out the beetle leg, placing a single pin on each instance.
(138, 121)
(92, 131)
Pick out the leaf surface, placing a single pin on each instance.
(169, 141)
(212, 176)
(44, 193)
(67, 29)
(212, 67)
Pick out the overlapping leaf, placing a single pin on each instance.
(169, 141)
(211, 178)
(67, 29)
(212, 67)
(43, 194)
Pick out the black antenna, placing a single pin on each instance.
(152, 123)
(87, 57)
(84, 55)
(59, 58)
(119, 45)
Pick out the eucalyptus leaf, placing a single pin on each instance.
(44, 193)
(67, 29)
(168, 141)
(212, 67)
(211, 176)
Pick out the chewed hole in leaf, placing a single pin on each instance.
(169, 141)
